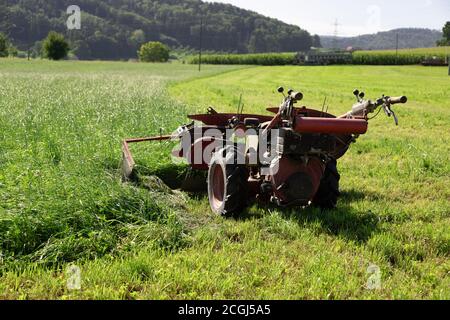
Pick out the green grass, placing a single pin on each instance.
(404, 56)
(62, 200)
(61, 127)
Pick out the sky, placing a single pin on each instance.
(353, 17)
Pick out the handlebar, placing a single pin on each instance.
(287, 106)
(364, 107)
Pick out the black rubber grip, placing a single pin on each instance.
(297, 96)
(395, 100)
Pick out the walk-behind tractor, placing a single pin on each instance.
(288, 159)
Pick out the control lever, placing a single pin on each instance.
(389, 112)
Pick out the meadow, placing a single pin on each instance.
(63, 201)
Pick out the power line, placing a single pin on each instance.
(200, 51)
(335, 34)
(396, 48)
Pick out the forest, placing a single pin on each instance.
(408, 38)
(115, 29)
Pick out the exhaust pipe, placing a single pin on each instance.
(330, 125)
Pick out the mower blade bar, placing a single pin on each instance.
(127, 158)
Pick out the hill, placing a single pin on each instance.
(113, 29)
(407, 38)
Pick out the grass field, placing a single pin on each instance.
(62, 200)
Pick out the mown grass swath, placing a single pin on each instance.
(394, 181)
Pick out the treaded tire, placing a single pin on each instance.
(328, 193)
(227, 186)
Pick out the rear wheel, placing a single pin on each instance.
(328, 193)
(227, 186)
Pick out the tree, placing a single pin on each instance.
(81, 49)
(137, 37)
(154, 52)
(446, 35)
(4, 45)
(316, 41)
(36, 50)
(4, 17)
(55, 46)
(446, 31)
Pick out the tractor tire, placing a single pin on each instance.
(227, 186)
(328, 193)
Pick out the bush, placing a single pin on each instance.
(55, 47)
(154, 52)
(12, 51)
(4, 44)
(22, 54)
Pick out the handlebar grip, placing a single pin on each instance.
(297, 96)
(395, 100)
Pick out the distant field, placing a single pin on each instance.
(62, 200)
(405, 56)
(438, 51)
(262, 59)
(369, 57)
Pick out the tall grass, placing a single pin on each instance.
(375, 57)
(61, 126)
(403, 57)
(263, 59)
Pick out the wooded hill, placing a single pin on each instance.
(407, 38)
(114, 29)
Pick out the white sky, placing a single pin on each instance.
(354, 17)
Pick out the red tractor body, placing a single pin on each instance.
(288, 158)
